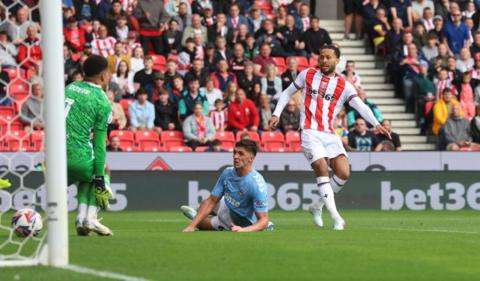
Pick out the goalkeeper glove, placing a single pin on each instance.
(102, 192)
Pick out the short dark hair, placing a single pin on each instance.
(249, 145)
(94, 65)
(335, 49)
(216, 142)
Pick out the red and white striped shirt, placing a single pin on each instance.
(104, 47)
(219, 119)
(322, 98)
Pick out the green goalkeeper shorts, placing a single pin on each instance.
(80, 170)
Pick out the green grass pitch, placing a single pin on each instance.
(376, 245)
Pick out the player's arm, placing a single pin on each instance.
(367, 114)
(206, 208)
(260, 225)
(285, 96)
(100, 140)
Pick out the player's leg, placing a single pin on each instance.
(92, 221)
(341, 172)
(80, 173)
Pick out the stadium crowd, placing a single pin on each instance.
(198, 75)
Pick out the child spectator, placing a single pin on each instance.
(467, 96)
(219, 116)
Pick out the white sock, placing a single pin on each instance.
(92, 213)
(326, 193)
(82, 211)
(337, 183)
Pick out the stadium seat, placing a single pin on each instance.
(171, 139)
(125, 103)
(17, 141)
(302, 63)
(126, 137)
(36, 140)
(129, 148)
(159, 63)
(313, 62)
(253, 136)
(147, 139)
(201, 148)
(278, 149)
(292, 140)
(7, 112)
(272, 140)
(227, 138)
(470, 148)
(12, 73)
(279, 61)
(180, 149)
(19, 90)
(151, 147)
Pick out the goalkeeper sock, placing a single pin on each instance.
(82, 211)
(83, 189)
(337, 183)
(326, 193)
(92, 213)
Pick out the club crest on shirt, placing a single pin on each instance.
(241, 192)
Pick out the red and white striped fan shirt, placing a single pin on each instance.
(104, 47)
(322, 98)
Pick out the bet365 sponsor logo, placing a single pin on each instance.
(448, 196)
(25, 197)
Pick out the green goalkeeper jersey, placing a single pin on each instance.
(87, 111)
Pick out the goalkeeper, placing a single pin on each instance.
(88, 111)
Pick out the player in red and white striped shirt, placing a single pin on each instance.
(104, 44)
(323, 94)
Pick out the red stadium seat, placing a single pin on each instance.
(253, 136)
(128, 148)
(7, 112)
(180, 149)
(278, 149)
(272, 140)
(159, 63)
(17, 141)
(151, 147)
(292, 139)
(126, 137)
(313, 62)
(227, 138)
(147, 139)
(12, 73)
(470, 148)
(279, 61)
(171, 139)
(302, 63)
(36, 140)
(125, 103)
(201, 148)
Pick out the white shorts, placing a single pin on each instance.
(223, 220)
(317, 145)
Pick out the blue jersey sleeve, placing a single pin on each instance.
(260, 198)
(218, 190)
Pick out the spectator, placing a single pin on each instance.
(137, 60)
(74, 35)
(475, 47)
(369, 13)
(114, 145)
(219, 116)
(69, 65)
(177, 89)
(120, 30)
(113, 15)
(251, 49)
(350, 74)
(209, 57)
(195, 28)
(315, 37)
(464, 62)
(159, 80)
(103, 6)
(442, 82)
(198, 71)
(475, 126)
(221, 51)
(441, 8)
(132, 44)
(172, 39)
(430, 50)
(229, 94)
(457, 33)
(29, 51)
(124, 78)
(186, 56)
(31, 113)
(145, 77)
(119, 120)
(240, 36)
(271, 83)
(441, 61)
(290, 38)
(237, 62)
(454, 74)
(152, 18)
(378, 30)
(8, 51)
(104, 44)
(360, 138)
(17, 27)
(419, 34)
(402, 9)
(393, 39)
(457, 130)
(256, 18)
(424, 93)
(234, 19)
(385, 144)
(476, 72)
(263, 59)
(427, 18)
(242, 114)
(247, 79)
(411, 64)
(438, 26)
(172, 7)
(219, 29)
(353, 12)
(469, 10)
(304, 22)
(199, 6)
(222, 76)
(118, 56)
(216, 146)
(4, 82)
(466, 96)
(198, 129)
(142, 112)
(290, 118)
(166, 113)
(442, 109)
(86, 10)
(268, 35)
(353, 115)
(190, 97)
(341, 126)
(183, 17)
(419, 6)
(265, 111)
(212, 93)
(290, 74)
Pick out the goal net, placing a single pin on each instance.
(32, 131)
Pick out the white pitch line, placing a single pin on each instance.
(105, 274)
(427, 230)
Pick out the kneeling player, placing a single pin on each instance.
(239, 198)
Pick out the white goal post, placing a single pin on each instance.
(55, 251)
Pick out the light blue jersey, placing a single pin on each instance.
(243, 195)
